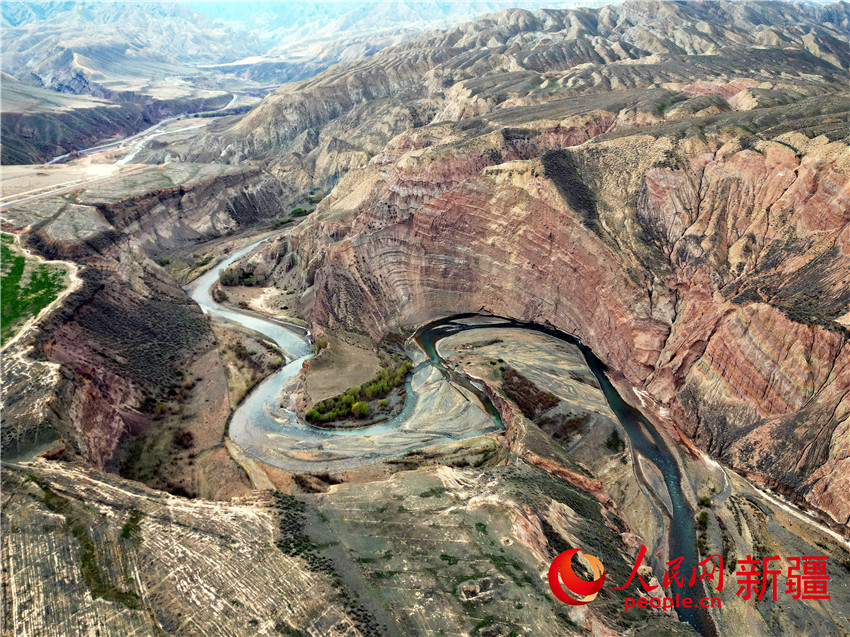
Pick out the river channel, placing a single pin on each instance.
(273, 433)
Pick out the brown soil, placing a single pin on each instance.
(346, 362)
(191, 421)
(218, 477)
(246, 359)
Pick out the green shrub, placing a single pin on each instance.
(614, 442)
(343, 405)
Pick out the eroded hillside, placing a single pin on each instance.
(673, 192)
(667, 182)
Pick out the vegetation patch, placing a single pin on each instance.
(702, 532)
(451, 560)
(433, 492)
(27, 287)
(132, 530)
(615, 441)
(729, 555)
(512, 568)
(529, 397)
(359, 402)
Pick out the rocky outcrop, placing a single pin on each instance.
(705, 272)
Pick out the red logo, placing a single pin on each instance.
(587, 590)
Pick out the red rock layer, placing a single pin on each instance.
(701, 254)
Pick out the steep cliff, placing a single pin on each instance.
(686, 217)
(709, 274)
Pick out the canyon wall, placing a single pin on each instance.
(98, 369)
(668, 182)
(707, 272)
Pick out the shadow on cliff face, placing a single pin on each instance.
(561, 167)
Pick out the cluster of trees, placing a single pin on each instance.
(529, 397)
(615, 442)
(235, 276)
(354, 402)
(337, 408)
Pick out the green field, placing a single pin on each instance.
(27, 288)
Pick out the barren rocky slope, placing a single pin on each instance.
(155, 60)
(317, 129)
(686, 216)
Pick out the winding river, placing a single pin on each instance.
(645, 440)
(260, 423)
(273, 433)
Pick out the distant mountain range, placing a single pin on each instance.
(100, 48)
(172, 57)
(284, 25)
(167, 58)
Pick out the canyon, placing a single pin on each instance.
(711, 234)
(668, 183)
